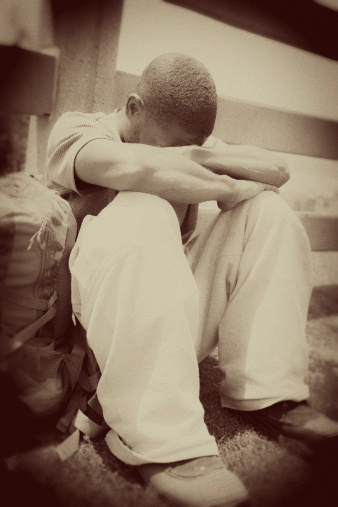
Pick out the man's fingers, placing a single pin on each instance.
(247, 189)
(272, 188)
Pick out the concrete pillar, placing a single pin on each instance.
(86, 35)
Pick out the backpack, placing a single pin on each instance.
(43, 349)
(83, 414)
(38, 351)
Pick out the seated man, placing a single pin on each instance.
(155, 297)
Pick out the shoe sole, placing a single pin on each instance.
(239, 502)
(308, 450)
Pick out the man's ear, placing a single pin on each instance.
(134, 106)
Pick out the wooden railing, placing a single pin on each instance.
(242, 122)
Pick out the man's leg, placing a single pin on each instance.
(138, 301)
(139, 305)
(252, 267)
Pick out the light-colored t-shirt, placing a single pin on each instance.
(73, 131)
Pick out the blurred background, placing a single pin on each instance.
(250, 67)
(277, 55)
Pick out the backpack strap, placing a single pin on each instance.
(11, 296)
(65, 424)
(69, 446)
(83, 424)
(74, 364)
(10, 345)
(89, 382)
(90, 421)
(83, 414)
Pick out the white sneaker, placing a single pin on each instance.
(200, 482)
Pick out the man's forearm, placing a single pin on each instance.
(163, 172)
(242, 162)
(158, 171)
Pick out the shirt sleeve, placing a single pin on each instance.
(70, 134)
(213, 142)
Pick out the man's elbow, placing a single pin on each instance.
(283, 172)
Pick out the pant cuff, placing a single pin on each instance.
(258, 404)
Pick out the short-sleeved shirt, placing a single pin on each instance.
(73, 131)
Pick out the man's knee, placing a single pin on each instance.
(271, 207)
(154, 208)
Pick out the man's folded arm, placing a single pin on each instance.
(166, 172)
(242, 162)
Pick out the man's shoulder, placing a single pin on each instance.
(77, 121)
(81, 117)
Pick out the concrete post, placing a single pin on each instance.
(87, 36)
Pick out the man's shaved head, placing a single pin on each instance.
(177, 89)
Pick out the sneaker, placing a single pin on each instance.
(200, 482)
(297, 426)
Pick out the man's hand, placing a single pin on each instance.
(241, 162)
(244, 190)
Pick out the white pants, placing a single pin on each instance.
(152, 311)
